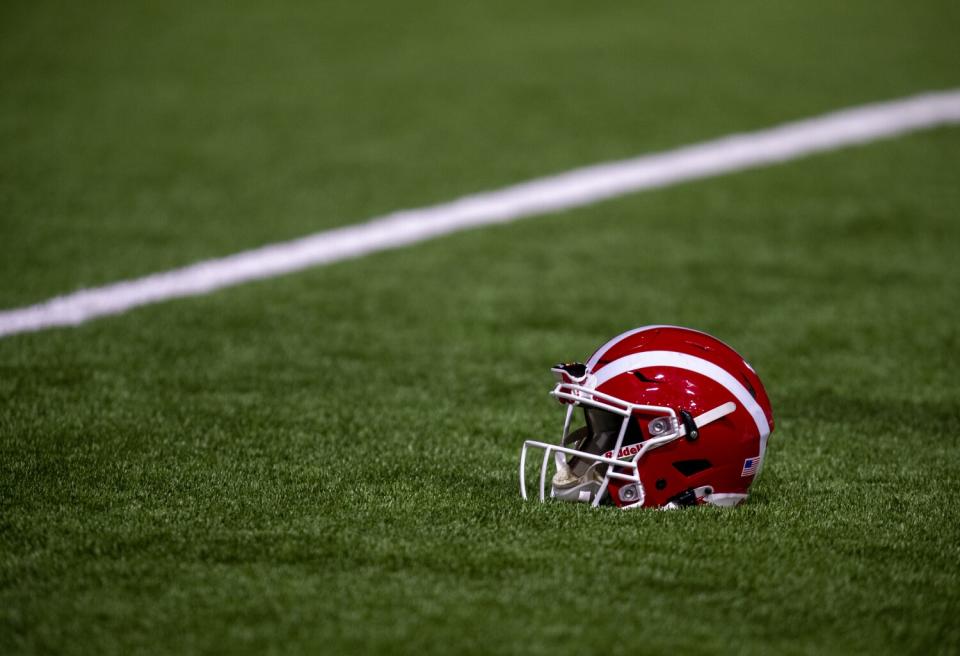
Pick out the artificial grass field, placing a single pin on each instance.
(326, 462)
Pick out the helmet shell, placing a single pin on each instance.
(693, 372)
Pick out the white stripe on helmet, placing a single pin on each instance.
(690, 363)
(595, 358)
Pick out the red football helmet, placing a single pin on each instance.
(674, 417)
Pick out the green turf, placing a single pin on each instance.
(326, 463)
(141, 136)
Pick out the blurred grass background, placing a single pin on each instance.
(141, 136)
(326, 462)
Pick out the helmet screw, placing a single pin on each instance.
(661, 483)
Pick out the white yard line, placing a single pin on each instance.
(575, 188)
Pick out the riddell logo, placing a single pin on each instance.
(624, 452)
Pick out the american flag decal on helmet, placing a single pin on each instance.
(750, 466)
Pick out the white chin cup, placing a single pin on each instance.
(582, 492)
(584, 489)
(567, 486)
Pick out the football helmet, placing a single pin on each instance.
(672, 417)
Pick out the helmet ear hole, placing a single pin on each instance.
(691, 467)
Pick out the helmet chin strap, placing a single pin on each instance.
(585, 488)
